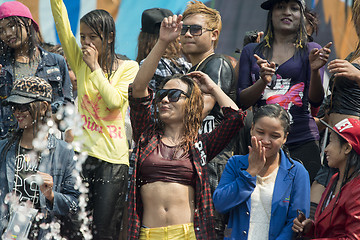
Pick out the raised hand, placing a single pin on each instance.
(170, 28)
(257, 158)
(343, 68)
(267, 70)
(319, 57)
(90, 56)
(204, 81)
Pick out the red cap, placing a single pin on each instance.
(15, 8)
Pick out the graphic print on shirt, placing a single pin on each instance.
(25, 185)
(280, 92)
(99, 113)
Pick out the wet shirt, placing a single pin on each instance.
(289, 88)
(25, 186)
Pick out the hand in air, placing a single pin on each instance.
(319, 57)
(170, 28)
(267, 70)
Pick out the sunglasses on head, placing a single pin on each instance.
(20, 107)
(195, 30)
(172, 94)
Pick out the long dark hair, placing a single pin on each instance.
(102, 23)
(34, 37)
(265, 46)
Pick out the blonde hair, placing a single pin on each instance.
(212, 16)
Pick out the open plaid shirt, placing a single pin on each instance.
(202, 151)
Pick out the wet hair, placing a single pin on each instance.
(192, 112)
(356, 20)
(146, 42)
(103, 25)
(265, 46)
(273, 111)
(34, 37)
(212, 16)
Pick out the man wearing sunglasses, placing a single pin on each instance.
(199, 37)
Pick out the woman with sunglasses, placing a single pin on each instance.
(22, 56)
(169, 194)
(33, 153)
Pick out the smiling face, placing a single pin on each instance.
(173, 112)
(286, 16)
(336, 153)
(23, 116)
(13, 33)
(270, 132)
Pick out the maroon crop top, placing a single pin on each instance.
(161, 166)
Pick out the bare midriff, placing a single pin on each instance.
(167, 203)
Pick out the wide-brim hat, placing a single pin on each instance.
(28, 90)
(349, 130)
(15, 8)
(152, 18)
(269, 4)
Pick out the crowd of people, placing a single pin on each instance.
(216, 149)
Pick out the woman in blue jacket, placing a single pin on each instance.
(263, 190)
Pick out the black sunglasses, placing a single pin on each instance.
(172, 94)
(195, 30)
(20, 107)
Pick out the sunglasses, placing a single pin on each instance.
(172, 94)
(20, 107)
(195, 30)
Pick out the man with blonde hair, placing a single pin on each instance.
(199, 37)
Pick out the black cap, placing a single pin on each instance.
(267, 5)
(152, 18)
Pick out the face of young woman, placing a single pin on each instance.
(335, 152)
(87, 36)
(12, 34)
(271, 133)
(286, 16)
(23, 116)
(171, 112)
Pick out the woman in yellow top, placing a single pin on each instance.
(102, 81)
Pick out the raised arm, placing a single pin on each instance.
(169, 30)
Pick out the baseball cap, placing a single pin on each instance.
(152, 18)
(348, 129)
(267, 5)
(15, 8)
(28, 90)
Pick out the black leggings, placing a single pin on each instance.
(309, 154)
(107, 192)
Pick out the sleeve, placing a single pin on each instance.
(299, 199)
(245, 62)
(235, 187)
(66, 200)
(114, 97)
(140, 113)
(68, 42)
(217, 139)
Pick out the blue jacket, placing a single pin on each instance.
(52, 67)
(291, 192)
(59, 164)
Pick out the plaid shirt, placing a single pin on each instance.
(207, 147)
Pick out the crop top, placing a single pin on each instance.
(161, 165)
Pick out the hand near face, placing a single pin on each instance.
(257, 158)
(205, 83)
(267, 70)
(170, 28)
(319, 57)
(343, 68)
(47, 186)
(90, 56)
